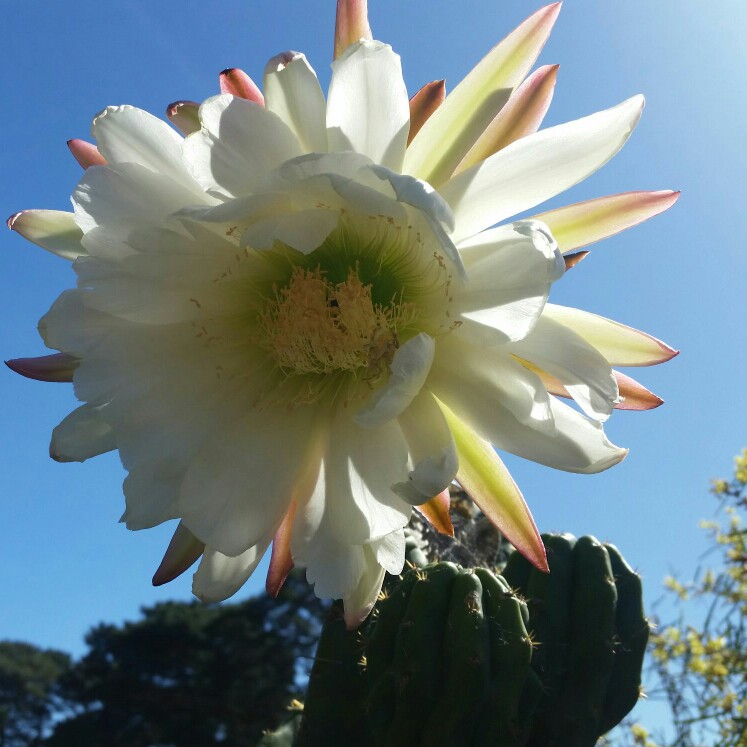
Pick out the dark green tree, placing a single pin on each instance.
(29, 692)
(190, 674)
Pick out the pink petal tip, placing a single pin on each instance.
(236, 82)
(85, 153)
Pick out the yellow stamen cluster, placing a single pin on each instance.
(314, 326)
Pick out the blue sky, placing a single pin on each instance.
(65, 563)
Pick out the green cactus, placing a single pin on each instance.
(464, 658)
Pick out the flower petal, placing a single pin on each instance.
(580, 367)
(620, 345)
(238, 144)
(292, 91)
(584, 223)
(408, 371)
(454, 128)
(487, 481)
(537, 167)
(53, 230)
(81, 435)
(635, 396)
(436, 511)
(183, 550)
(237, 83)
(359, 603)
(281, 562)
(367, 107)
(304, 230)
(220, 576)
(185, 116)
(86, 154)
(351, 24)
(423, 104)
(58, 367)
(432, 450)
(509, 273)
(522, 115)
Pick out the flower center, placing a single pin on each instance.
(315, 326)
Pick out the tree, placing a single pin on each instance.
(190, 674)
(703, 668)
(29, 695)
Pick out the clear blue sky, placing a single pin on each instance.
(65, 563)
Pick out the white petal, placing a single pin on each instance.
(240, 483)
(510, 270)
(367, 107)
(220, 576)
(537, 167)
(389, 551)
(359, 603)
(53, 230)
(292, 91)
(125, 134)
(334, 568)
(620, 345)
(238, 144)
(583, 371)
(304, 230)
(81, 435)
(432, 450)
(567, 440)
(408, 372)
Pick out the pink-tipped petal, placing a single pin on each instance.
(584, 223)
(184, 115)
(85, 153)
(183, 550)
(635, 396)
(281, 562)
(53, 230)
(436, 511)
(423, 104)
(488, 483)
(571, 260)
(58, 367)
(456, 126)
(522, 115)
(238, 83)
(351, 24)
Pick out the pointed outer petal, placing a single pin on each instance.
(454, 128)
(408, 371)
(304, 230)
(183, 550)
(436, 511)
(537, 167)
(367, 107)
(281, 562)
(220, 576)
(635, 396)
(620, 345)
(522, 115)
(58, 367)
(580, 367)
(85, 153)
(185, 116)
(81, 435)
(571, 260)
(53, 230)
(423, 104)
(293, 92)
(240, 483)
(432, 450)
(351, 24)
(360, 602)
(584, 223)
(237, 83)
(238, 144)
(487, 481)
(507, 405)
(509, 273)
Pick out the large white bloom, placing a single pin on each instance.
(290, 324)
